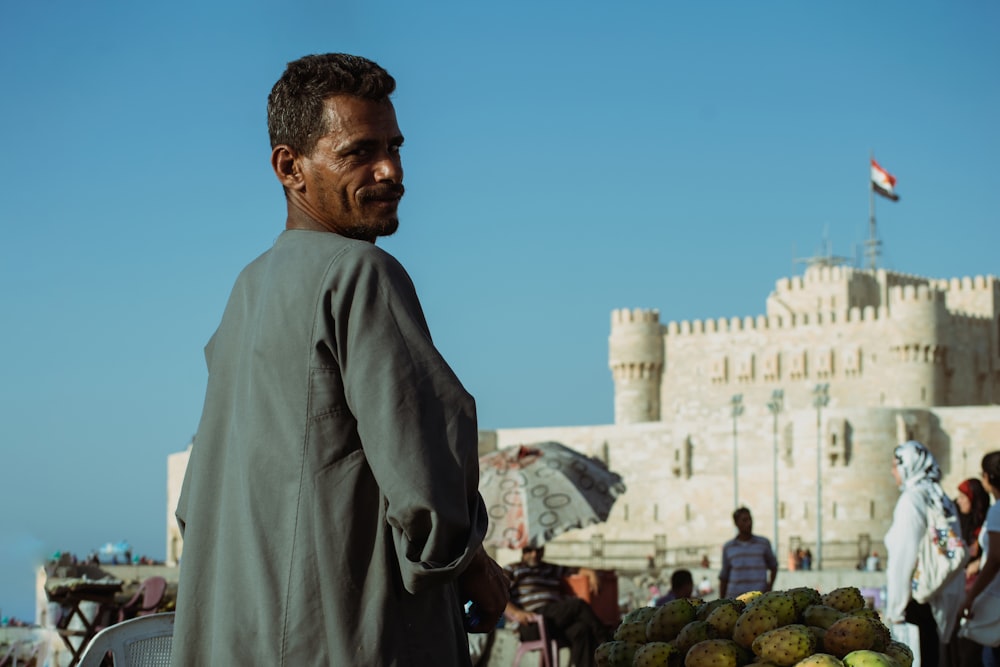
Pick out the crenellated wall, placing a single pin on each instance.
(882, 339)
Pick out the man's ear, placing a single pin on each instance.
(286, 164)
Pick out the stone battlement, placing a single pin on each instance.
(774, 322)
(915, 293)
(969, 283)
(626, 316)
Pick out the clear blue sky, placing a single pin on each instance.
(562, 159)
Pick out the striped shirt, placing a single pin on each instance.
(534, 587)
(745, 565)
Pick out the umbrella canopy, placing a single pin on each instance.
(535, 492)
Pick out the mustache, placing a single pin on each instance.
(381, 192)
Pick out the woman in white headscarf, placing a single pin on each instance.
(917, 474)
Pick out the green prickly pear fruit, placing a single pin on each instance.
(723, 619)
(899, 652)
(706, 609)
(818, 633)
(634, 631)
(615, 654)
(821, 615)
(803, 597)
(668, 620)
(641, 614)
(749, 596)
(866, 658)
(846, 598)
(715, 653)
(779, 602)
(657, 654)
(751, 623)
(820, 660)
(786, 645)
(692, 633)
(851, 633)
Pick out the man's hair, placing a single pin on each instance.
(738, 512)
(680, 578)
(991, 466)
(295, 111)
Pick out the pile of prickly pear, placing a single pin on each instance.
(797, 627)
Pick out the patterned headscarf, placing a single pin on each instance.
(918, 469)
(915, 464)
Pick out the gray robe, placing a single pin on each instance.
(331, 497)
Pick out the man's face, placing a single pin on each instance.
(353, 179)
(532, 556)
(744, 523)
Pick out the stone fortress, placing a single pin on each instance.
(851, 361)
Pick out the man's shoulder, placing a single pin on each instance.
(754, 541)
(329, 252)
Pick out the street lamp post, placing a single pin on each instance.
(737, 404)
(775, 405)
(821, 397)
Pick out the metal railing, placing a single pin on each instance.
(644, 555)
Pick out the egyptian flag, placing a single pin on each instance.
(883, 182)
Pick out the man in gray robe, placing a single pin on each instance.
(330, 509)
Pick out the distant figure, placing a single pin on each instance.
(705, 563)
(918, 476)
(807, 560)
(537, 590)
(681, 586)
(973, 502)
(748, 563)
(705, 586)
(988, 583)
(793, 560)
(873, 563)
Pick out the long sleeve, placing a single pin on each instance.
(416, 422)
(909, 522)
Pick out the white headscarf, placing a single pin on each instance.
(919, 476)
(915, 464)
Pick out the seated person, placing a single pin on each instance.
(537, 590)
(681, 586)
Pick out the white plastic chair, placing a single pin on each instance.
(139, 642)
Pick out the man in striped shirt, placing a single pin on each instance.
(537, 590)
(748, 562)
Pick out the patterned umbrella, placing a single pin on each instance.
(535, 492)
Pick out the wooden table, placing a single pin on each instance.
(70, 594)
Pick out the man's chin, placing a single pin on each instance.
(370, 230)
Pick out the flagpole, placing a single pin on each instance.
(872, 240)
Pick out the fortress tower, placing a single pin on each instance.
(636, 360)
(917, 337)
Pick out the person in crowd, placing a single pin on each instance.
(705, 586)
(330, 508)
(987, 582)
(918, 476)
(681, 586)
(972, 501)
(748, 562)
(537, 590)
